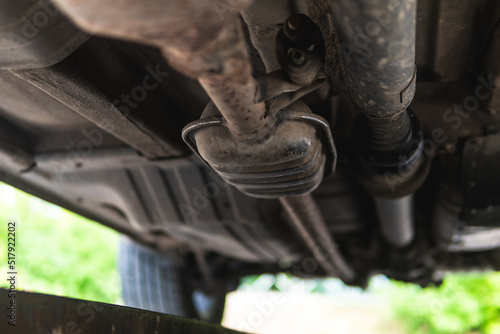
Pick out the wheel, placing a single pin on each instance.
(158, 282)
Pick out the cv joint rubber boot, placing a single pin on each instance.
(292, 160)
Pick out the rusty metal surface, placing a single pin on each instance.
(378, 43)
(43, 314)
(214, 53)
(290, 162)
(233, 89)
(156, 22)
(263, 19)
(300, 49)
(279, 92)
(35, 34)
(201, 39)
(306, 217)
(378, 40)
(454, 41)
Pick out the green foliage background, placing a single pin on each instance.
(465, 303)
(57, 251)
(61, 253)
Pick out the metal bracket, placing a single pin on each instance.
(317, 121)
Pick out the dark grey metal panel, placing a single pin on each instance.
(180, 198)
(40, 313)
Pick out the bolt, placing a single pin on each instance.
(297, 57)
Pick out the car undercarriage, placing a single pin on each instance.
(319, 138)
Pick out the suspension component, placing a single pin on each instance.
(254, 132)
(291, 161)
(298, 148)
(298, 151)
(305, 216)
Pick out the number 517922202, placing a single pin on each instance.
(11, 245)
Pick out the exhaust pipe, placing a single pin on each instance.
(378, 43)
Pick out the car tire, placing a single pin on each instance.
(158, 282)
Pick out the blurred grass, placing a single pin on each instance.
(58, 252)
(464, 303)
